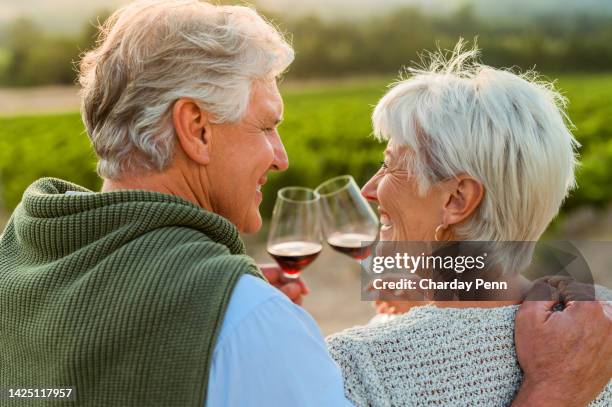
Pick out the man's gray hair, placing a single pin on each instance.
(151, 53)
(509, 131)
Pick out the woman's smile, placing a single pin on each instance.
(385, 220)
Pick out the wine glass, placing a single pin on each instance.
(347, 218)
(294, 240)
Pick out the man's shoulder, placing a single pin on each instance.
(256, 352)
(251, 291)
(251, 294)
(188, 247)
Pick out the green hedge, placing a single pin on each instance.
(327, 132)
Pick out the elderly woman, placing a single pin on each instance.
(474, 153)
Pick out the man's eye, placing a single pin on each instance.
(268, 129)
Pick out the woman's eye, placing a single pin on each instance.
(384, 165)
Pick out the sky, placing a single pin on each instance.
(68, 16)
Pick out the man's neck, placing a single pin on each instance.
(171, 182)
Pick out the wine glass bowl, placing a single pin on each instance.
(294, 240)
(348, 221)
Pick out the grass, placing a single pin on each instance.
(326, 132)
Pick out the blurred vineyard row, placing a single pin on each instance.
(326, 132)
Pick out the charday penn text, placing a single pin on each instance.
(429, 284)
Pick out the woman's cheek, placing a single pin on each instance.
(386, 194)
(391, 205)
(403, 207)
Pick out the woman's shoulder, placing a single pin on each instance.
(430, 320)
(427, 331)
(603, 293)
(430, 355)
(430, 352)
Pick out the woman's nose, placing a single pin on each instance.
(369, 189)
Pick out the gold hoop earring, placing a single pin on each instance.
(440, 227)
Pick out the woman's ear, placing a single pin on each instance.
(193, 130)
(464, 195)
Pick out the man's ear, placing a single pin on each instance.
(193, 130)
(464, 195)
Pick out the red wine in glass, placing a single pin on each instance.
(294, 240)
(355, 245)
(348, 221)
(292, 257)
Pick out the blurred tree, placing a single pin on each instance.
(57, 56)
(37, 59)
(22, 36)
(380, 44)
(91, 29)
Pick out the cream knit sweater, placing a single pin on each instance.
(434, 357)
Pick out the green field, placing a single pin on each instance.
(326, 132)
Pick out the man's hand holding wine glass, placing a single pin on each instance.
(295, 289)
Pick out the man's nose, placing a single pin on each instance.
(369, 189)
(281, 161)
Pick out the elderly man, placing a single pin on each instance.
(141, 294)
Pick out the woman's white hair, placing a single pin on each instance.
(507, 130)
(150, 54)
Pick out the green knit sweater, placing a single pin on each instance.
(120, 295)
